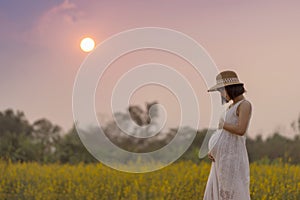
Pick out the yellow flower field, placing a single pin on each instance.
(182, 180)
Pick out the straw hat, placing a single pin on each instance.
(225, 78)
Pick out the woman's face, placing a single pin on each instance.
(225, 98)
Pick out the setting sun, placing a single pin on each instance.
(87, 44)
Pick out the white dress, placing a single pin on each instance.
(229, 177)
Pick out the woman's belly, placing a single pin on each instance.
(214, 142)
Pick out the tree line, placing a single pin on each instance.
(44, 142)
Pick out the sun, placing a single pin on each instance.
(87, 44)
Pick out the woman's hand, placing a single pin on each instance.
(221, 123)
(211, 157)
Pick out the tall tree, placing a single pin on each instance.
(15, 135)
(46, 135)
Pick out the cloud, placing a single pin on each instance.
(55, 25)
(66, 11)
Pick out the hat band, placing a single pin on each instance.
(228, 80)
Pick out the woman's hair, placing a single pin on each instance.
(235, 90)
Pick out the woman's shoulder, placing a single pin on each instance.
(238, 103)
(244, 104)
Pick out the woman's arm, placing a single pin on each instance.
(244, 111)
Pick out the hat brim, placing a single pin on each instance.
(218, 86)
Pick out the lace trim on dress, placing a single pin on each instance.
(226, 195)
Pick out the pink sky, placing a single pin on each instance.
(40, 54)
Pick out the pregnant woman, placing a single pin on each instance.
(229, 176)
